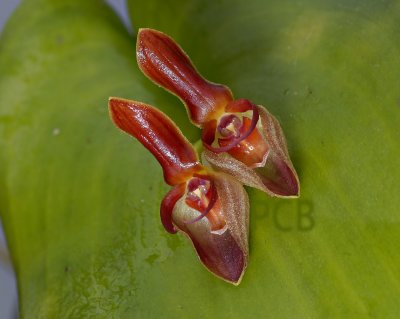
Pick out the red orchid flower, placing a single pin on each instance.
(211, 208)
(239, 137)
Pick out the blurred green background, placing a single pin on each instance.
(8, 293)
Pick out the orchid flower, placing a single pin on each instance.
(239, 137)
(210, 208)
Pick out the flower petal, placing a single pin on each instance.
(278, 177)
(223, 252)
(167, 206)
(239, 105)
(235, 207)
(162, 60)
(159, 135)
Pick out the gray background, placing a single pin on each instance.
(8, 290)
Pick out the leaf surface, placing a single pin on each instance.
(80, 201)
(330, 72)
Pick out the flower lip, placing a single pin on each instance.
(208, 137)
(223, 251)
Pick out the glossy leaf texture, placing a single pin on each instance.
(80, 209)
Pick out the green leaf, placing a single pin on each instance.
(79, 200)
(330, 71)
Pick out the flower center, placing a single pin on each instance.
(198, 193)
(252, 151)
(202, 196)
(229, 126)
